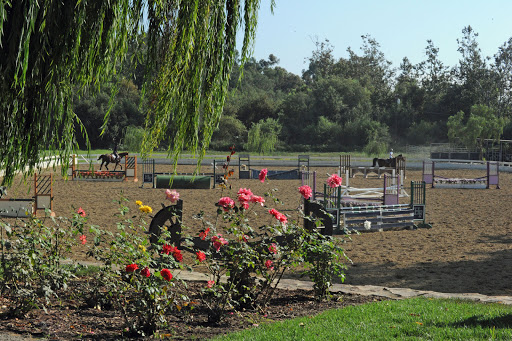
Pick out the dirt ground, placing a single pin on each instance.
(468, 248)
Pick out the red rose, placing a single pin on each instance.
(166, 274)
(145, 272)
(131, 267)
(200, 256)
(167, 249)
(177, 254)
(203, 234)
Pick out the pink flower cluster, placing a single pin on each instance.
(334, 181)
(278, 215)
(245, 196)
(305, 191)
(226, 203)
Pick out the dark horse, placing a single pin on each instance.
(387, 162)
(110, 158)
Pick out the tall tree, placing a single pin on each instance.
(48, 47)
(471, 73)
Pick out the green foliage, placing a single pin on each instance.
(31, 259)
(132, 140)
(322, 262)
(422, 133)
(263, 136)
(231, 131)
(482, 123)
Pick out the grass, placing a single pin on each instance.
(411, 319)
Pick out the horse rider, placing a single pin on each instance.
(391, 153)
(114, 152)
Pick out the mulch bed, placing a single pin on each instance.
(70, 318)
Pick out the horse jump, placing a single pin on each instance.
(379, 167)
(180, 180)
(245, 171)
(392, 215)
(42, 200)
(492, 178)
(129, 173)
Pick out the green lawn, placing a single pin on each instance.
(412, 319)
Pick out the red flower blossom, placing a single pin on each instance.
(131, 267)
(176, 253)
(145, 272)
(203, 234)
(167, 249)
(263, 174)
(166, 274)
(81, 212)
(218, 241)
(305, 191)
(210, 284)
(200, 256)
(83, 239)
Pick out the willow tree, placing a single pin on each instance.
(51, 49)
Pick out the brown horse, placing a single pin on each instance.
(387, 162)
(110, 158)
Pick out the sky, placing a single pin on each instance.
(401, 27)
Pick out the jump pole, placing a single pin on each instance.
(43, 194)
(130, 168)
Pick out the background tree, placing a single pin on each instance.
(481, 124)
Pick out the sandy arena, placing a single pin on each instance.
(468, 248)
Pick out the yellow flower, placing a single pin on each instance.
(142, 248)
(145, 209)
(138, 203)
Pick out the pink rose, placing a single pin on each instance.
(210, 284)
(278, 215)
(272, 248)
(305, 191)
(226, 203)
(172, 195)
(269, 265)
(81, 212)
(258, 199)
(263, 174)
(334, 181)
